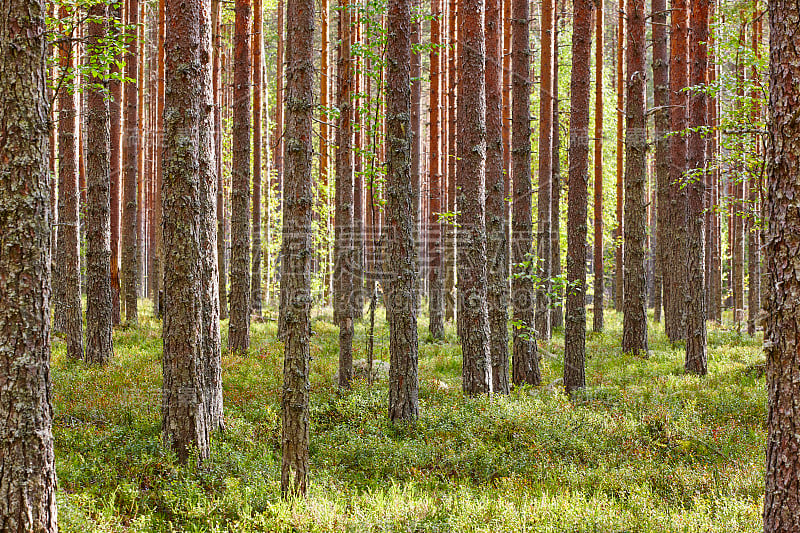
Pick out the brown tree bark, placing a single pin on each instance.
(450, 231)
(358, 181)
(713, 247)
(186, 402)
(158, 136)
(99, 346)
(619, 252)
(525, 368)
(599, 287)
(543, 237)
(435, 271)
(696, 335)
(67, 312)
(557, 311)
(343, 224)
(325, 255)
(130, 169)
(496, 245)
(216, 75)
(258, 149)
(27, 469)
(239, 326)
(575, 323)
(297, 245)
(739, 183)
(400, 266)
(473, 319)
(634, 325)
(416, 147)
(661, 120)
(115, 111)
(753, 226)
(782, 239)
(673, 238)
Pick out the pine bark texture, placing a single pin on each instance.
(99, 345)
(130, 167)
(67, 310)
(496, 244)
(187, 113)
(436, 186)
(343, 215)
(557, 311)
(580, 93)
(619, 252)
(258, 150)
(599, 288)
(543, 205)
(782, 241)
(525, 368)
(673, 238)
(695, 298)
(115, 111)
(239, 326)
(400, 265)
(27, 469)
(298, 202)
(634, 324)
(661, 141)
(452, 134)
(473, 319)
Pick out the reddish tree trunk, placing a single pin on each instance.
(258, 149)
(599, 289)
(435, 271)
(496, 245)
(239, 326)
(634, 325)
(526, 357)
(575, 332)
(619, 252)
(130, 164)
(27, 469)
(115, 111)
(661, 120)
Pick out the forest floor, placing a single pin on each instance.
(645, 448)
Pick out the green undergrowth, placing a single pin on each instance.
(645, 448)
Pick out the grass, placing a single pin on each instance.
(644, 448)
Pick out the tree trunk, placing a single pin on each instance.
(634, 325)
(67, 312)
(188, 248)
(416, 148)
(542, 318)
(130, 163)
(661, 119)
(557, 311)
(400, 267)
(99, 347)
(258, 149)
(496, 245)
(158, 135)
(740, 182)
(27, 469)
(575, 323)
(754, 228)
(436, 286)
(473, 319)
(673, 237)
(599, 289)
(343, 227)
(782, 327)
(450, 231)
(526, 357)
(216, 74)
(357, 274)
(713, 273)
(696, 335)
(115, 111)
(239, 326)
(297, 245)
(619, 252)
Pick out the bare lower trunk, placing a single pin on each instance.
(634, 325)
(99, 347)
(661, 120)
(297, 246)
(258, 150)
(239, 326)
(496, 245)
(575, 326)
(27, 469)
(130, 163)
(526, 357)
(782, 239)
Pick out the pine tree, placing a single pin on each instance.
(634, 325)
(598, 321)
(575, 319)
(27, 469)
(130, 172)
